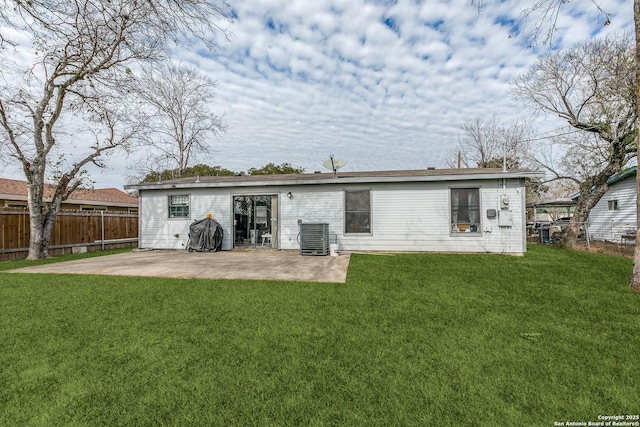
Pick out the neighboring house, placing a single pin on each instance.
(613, 218)
(13, 194)
(449, 210)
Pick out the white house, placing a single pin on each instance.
(613, 218)
(448, 210)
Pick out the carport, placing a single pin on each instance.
(554, 209)
(558, 207)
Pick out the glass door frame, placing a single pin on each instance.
(255, 221)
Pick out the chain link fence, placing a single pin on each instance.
(611, 232)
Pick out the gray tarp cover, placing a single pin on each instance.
(205, 235)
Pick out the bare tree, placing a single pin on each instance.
(539, 18)
(485, 143)
(79, 73)
(543, 14)
(592, 86)
(182, 123)
(491, 144)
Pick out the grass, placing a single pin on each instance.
(410, 339)
(9, 265)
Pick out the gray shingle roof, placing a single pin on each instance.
(342, 177)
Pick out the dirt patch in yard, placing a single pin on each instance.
(601, 247)
(608, 248)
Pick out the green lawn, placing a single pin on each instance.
(410, 339)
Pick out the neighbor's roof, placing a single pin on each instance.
(11, 189)
(554, 203)
(615, 178)
(622, 175)
(421, 175)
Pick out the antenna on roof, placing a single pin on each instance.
(334, 164)
(504, 157)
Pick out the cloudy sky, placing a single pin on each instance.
(383, 84)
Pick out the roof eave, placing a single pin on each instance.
(16, 197)
(622, 176)
(100, 203)
(335, 181)
(22, 198)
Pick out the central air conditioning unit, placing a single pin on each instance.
(314, 238)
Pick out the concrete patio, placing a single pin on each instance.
(253, 265)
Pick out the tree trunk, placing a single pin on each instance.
(588, 199)
(634, 283)
(635, 277)
(42, 216)
(37, 250)
(41, 221)
(38, 244)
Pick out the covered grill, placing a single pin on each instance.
(205, 235)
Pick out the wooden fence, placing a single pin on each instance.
(72, 232)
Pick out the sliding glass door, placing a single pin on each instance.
(255, 222)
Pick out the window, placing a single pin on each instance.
(179, 206)
(465, 210)
(357, 211)
(613, 205)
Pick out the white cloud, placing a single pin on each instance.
(334, 77)
(384, 84)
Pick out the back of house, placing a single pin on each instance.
(446, 210)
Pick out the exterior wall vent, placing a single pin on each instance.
(314, 238)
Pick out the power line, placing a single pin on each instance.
(550, 134)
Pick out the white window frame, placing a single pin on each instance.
(171, 205)
(473, 223)
(613, 205)
(348, 213)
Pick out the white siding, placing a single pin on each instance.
(605, 224)
(158, 231)
(416, 217)
(311, 205)
(405, 217)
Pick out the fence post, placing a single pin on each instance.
(586, 232)
(102, 228)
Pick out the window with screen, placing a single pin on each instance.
(465, 210)
(179, 206)
(357, 211)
